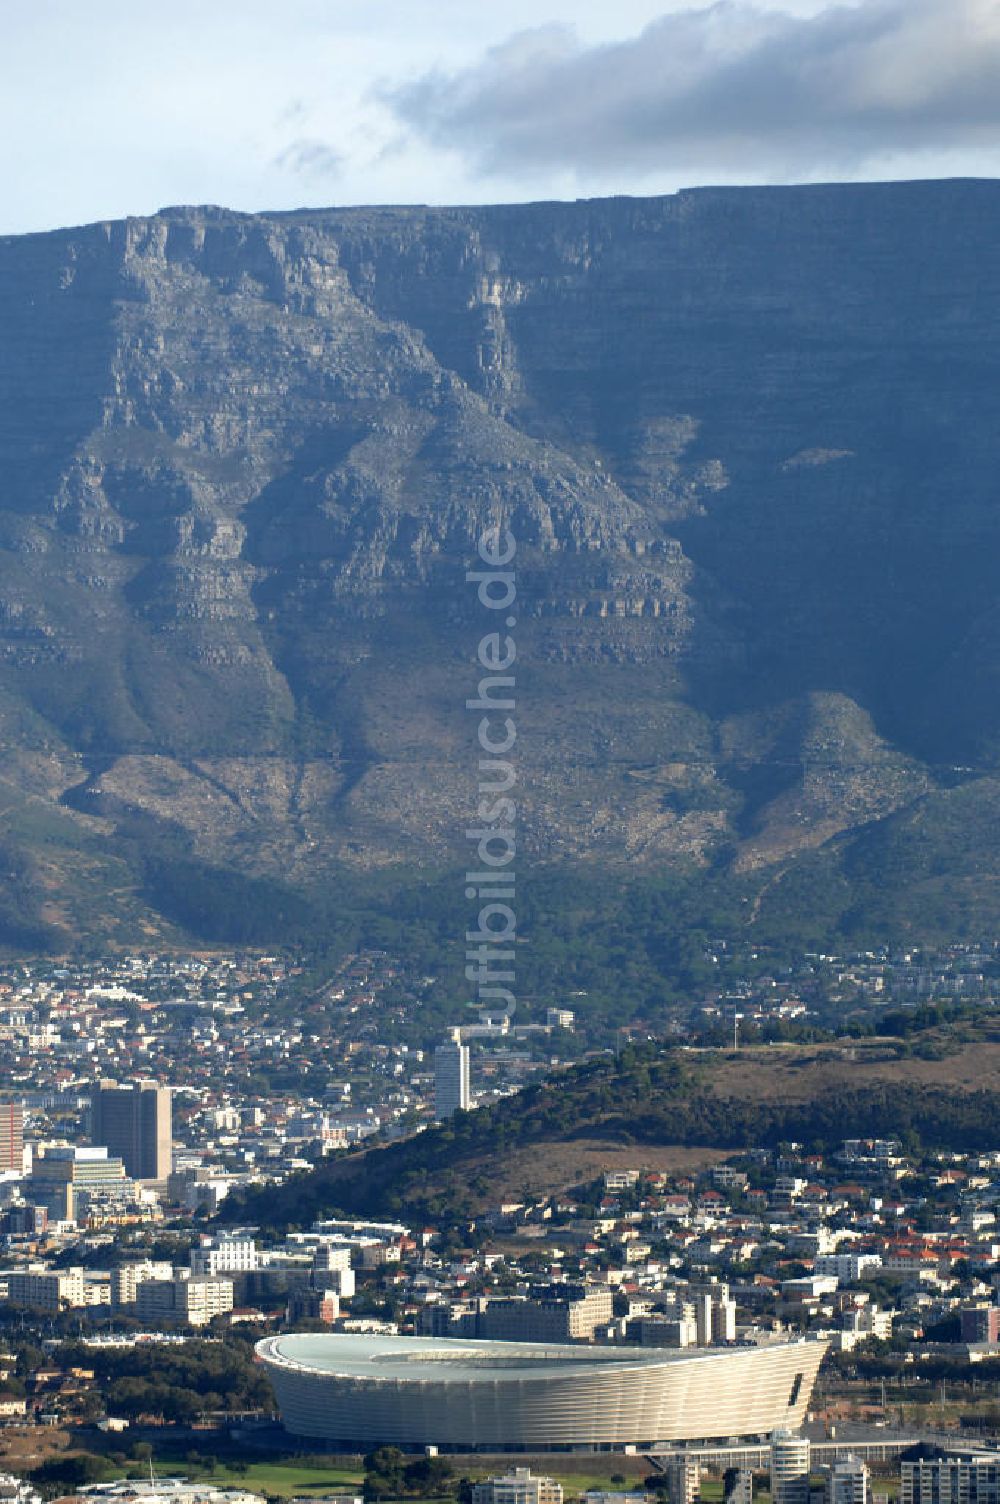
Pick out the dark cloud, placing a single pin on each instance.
(729, 87)
(310, 158)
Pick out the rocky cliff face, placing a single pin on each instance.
(746, 440)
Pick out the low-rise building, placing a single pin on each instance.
(518, 1487)
(951, 1480)
(191, 1298)
(49, 1290)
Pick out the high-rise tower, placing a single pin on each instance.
(451, 1076)
(134, 1122)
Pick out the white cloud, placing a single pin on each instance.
(728, 87)
(311, 158)
(113, 108)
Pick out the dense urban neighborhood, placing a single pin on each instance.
(147, 1091)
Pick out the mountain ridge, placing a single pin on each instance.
(743, 436)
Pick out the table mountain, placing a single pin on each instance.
(746, 440)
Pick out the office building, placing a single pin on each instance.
(134, 1122)
(557, 1314)
(306, 1304)
(11, 1136)
(451, 1077)
(790, 1463)
(64, 1175)
(665, 1331)
(25, 1220)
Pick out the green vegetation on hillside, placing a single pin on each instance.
(651, 1095)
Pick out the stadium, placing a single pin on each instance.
(509, 1396)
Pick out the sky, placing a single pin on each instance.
(117, 107)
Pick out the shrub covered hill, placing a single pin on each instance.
(651, 1105)
(746, 441)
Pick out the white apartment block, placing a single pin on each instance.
(46, 1290)
(96, 1288)
(790, 1464)
(951, 1480)
(846, 1267)
(331, 1270)
(329, 1256)
(517, 1487)
(225, 1256)
(126, 1279)
(194, 1299)
(683, 1481)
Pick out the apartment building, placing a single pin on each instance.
(951, 1480)
(46, 1290)
(190, 1298)
(517, 1487)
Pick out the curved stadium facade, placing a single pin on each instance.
(512, 1395)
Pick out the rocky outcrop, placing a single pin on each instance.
(744, 438)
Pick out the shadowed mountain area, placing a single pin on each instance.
(747, 442)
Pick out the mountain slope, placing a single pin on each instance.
(654, 1105)
(746, 440)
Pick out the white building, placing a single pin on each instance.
(14, 1490)
(517, 1487)
(167, 1491)
(683, 1481)
(861, 1325)
(452, 1091)
(332, 1270)
(46, 1290)
(847, 1268)
(224, 1255)
(846, 1482)
(951, 1480)
(790, 1462)
(191, 1298)
(714, 1313)
(330, 1256)
(126, 1279)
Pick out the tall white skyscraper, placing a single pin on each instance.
(451, 1076)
